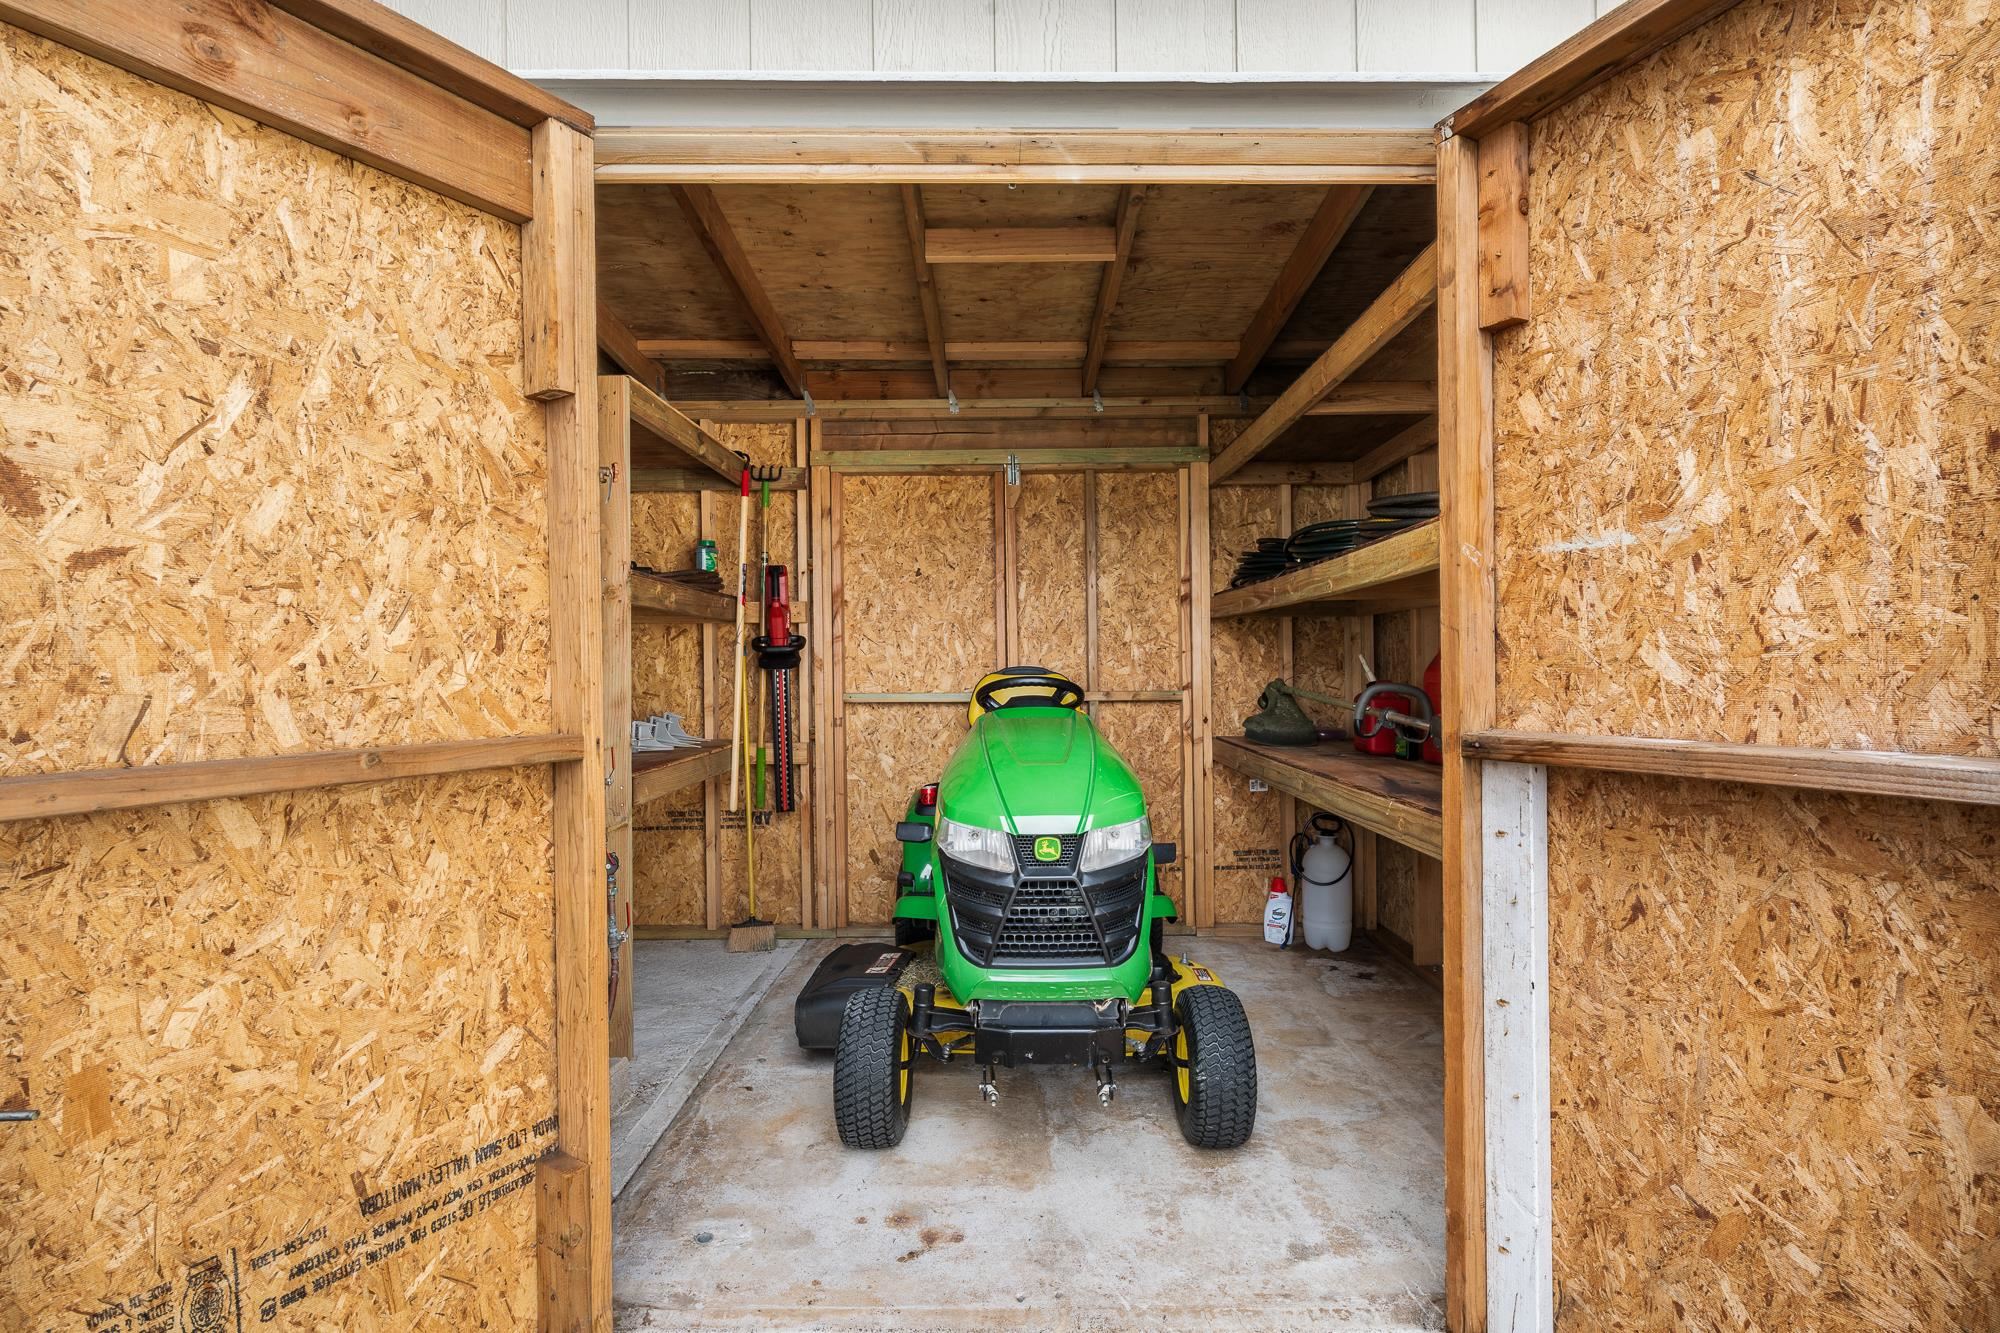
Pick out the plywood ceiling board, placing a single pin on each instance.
(834, 259)
(1205, 255)
(1332, 439)
(1018, 302)
(1394, 227)
(653, 272)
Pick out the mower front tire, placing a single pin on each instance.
(1214, 1068)
(872, 1075)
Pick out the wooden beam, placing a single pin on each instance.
(615, 340)
(1044, 459)
(1292, 474)
(91, 791)
(1412, 293)
(1316, 245)
(655, 414)
(1020, 245)
(1503, 227)
(1054, 351)
(1468, 646)
(1129, 200)
(1077, 149)
(407, 44)
(659, 481)
(283, 71)
(1401, 802)
(1625, 35)
(1367, 398)
(1916, 777)
(1403, 444)
(560, 318)
(927, 297)
(698, 204)
(614, 494)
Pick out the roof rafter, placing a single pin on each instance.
(704, 215)
(913, 221)
(1322, 236)
(1130, 197)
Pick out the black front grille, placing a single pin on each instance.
(1064, 921)
(1025, 858)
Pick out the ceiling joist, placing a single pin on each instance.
(913, 221)
(1130, 197)
(1413, 292)
(1317, 243)
(1020, 245)
(615, 340)
(704, 215)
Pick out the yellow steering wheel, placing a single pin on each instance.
(1022, 687)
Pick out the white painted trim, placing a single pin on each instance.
(1520, 1268)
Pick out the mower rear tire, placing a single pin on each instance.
(1215, 1069)
(910, 932)
(872, 1074)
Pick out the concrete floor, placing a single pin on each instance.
(1049, 1212)
(689, 999)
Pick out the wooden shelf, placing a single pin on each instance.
(665, 439)
(1400, 800)
(657, 773)
(1397, 573)
(657, 601)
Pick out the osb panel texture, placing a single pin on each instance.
(891, 750)
(1148, 737)
(918, 583)
(1244, 658)
(1138, 581)
(1776, 1058)
(1745, 478)
(239, 1018)
(268, 482)
(1049, 602)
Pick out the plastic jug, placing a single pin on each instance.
(1278, 915)
(1326, 899)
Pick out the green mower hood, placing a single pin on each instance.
(1038, 770)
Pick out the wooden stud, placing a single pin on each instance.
(1003, 586)
(1053, 351)
(1316, 244)
(1020, 245)
(1130, 198)
(698, 204)
(1627, 33)
(1503, 227)
(1359, 642)
(49, 795)
(820, 652)
(1465, 459)
(559, 315)
(1008, 532)
(804, 553)
(283, 71)
(835, 621)
(614, 465)
(1090, 562)
(1427, 909)
(711, 721)
(1412, 293)
(1201, 687)
(1288, 820)
(1195, 851)
(617, 341)
(927, 295)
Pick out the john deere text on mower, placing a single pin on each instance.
(1029, 931)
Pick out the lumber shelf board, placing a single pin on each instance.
(1968, 779)
(657, 601)
(1397, 572)
(1396, 798)
(657, 773)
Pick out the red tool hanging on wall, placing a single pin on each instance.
(778, 651)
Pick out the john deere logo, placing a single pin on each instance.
(1048, 849)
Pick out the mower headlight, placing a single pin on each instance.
(987, 848)
(1114, 845)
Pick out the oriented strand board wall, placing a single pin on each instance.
(1747, 488)
(1138, 581)
(669, 879)
(268, 483)
(241, 1019)
(267, 478)
(1776, 1046)
(1050, 606)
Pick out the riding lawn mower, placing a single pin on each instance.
(1029, 930)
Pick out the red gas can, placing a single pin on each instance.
(1383, 741)
(1434, 687)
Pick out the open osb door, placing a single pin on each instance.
(278, 511)
(1741, 470)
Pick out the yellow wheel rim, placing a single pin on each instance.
(1181, 1062)
(903, 1073)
